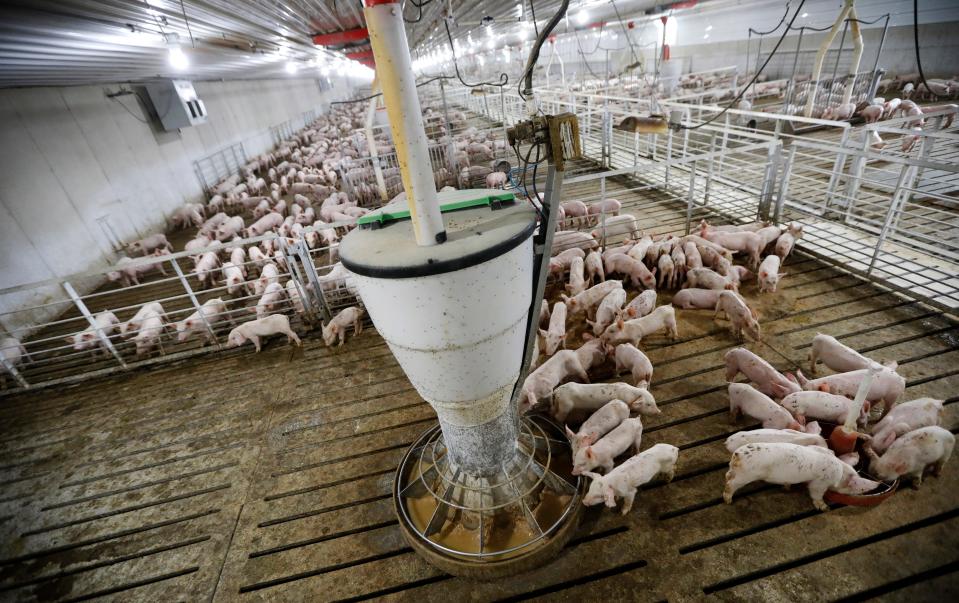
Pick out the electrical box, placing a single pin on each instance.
(176, 104)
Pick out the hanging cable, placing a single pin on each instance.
(379, 94)
(739, 96)
(503, 78)
(532, 12)
(915, 34)
(534, 51)
(583, 54)
(619, 17)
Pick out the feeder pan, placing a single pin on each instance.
(869, 499)
(485, 493)
(490, 527)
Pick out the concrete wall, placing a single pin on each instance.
(70, 156)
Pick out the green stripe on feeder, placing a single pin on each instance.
(398, 209)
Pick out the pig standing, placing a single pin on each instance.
(769, 274)
(608, 311)
(886, 386)
(555, 336)
(214, 310)
(577, 277)
(744, 399)
(905, 417)
(787, 464)
(640, 306)
(633, 331)
(623, 481)
(765, 436)
(133, 325)
(634, 269)
(912, 453)
(585, 301)
(253, 330)
(697, 299)
(594, 268)
(769, 381)
(742, 319)
(821, 406)
(340, 323)
(598, 424)
(149, 244)
(579, 396)
(629, 358)
(151, 329)
(839, 357)
(273, 296)
(786, 241)
(627, 434)
(103, 322)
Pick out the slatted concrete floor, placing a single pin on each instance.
(247, 477)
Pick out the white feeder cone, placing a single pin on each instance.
(459, 337)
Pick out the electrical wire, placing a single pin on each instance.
(534, 51)
(379, 94)
(773, 30)
(585, 60)
(915, 34)
(739, 97)
(187, 21)
(503, 78)
(619, 17)
(532, 12)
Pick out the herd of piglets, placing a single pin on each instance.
(789, 447)
(252, 277)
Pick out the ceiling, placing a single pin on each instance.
(72, 42)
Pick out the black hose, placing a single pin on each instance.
(915, 32)
(739, 97)
(527, 76)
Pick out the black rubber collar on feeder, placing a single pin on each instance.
(481, 224)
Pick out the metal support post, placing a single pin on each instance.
(104, 340)
(311, 276)
(784, 185)
(906, 175)
(856, 168)
(690, 195)
(837, 168)
(196, 303)
(542, 248)
(14, 372)
(709, 172)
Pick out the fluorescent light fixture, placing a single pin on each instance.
(582, 17)
(178, 59)
(291, 67)
(804, 15)
(709, 28)
(490, 43)
(706, 37)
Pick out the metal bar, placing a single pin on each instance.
(894, 205)
(104, 340)
(542, 246)
(13, 372)
(689, 196)
(784, 185)
(837, 168)
(311, 275)
(196, 303)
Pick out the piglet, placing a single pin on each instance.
(697, 299)
(131, 326)
(589, 397)
(769, 381)
(839, 357)
(629, 358)
(233, 277)
(567, 239)
(559, 264)
(273, 296)
(577, 277)
(787, 464)
(608, 311)
(759, 436)
(590, 298)
(704, 278)
(151, 329)
(769, 273)
(338, 326)
(744, 399)
(742, 319)
(633, 331)
(640, 306)
(541, 382)
(623, 481)
(887, 385)
(103, 322)
(544, 314)
(912, 453)
(214, 311)
(822, 406)
(786, 242)
(594, 268)
(496, 180)
(628, 434)
(253, 330)
(905, 417)
(555, 336)
(607, 207)
(598, 424)
(632, 268)
(149, 244)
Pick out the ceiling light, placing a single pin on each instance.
(709, 28)
(291, 67)
(582, 17)
(490, 42)
(178, 59)
(804, 15)
(706, 37)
